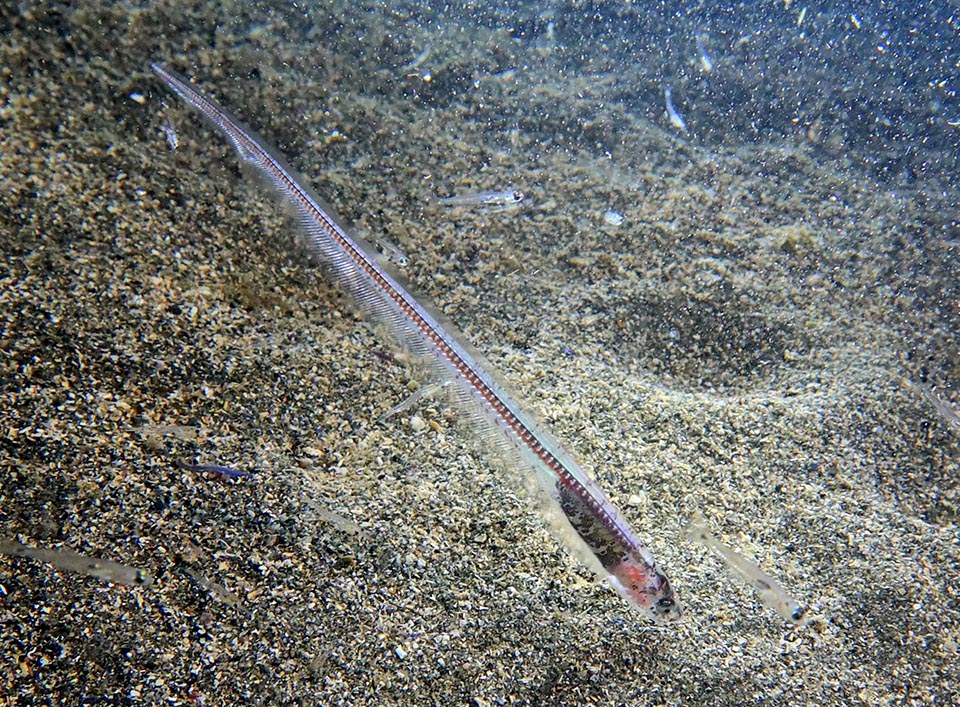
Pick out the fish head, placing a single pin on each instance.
(646, 588)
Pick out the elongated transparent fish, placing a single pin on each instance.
(81, 564)
(706, 63)
(488, 199)
(767, 588)
(600, 532)
(676, 120)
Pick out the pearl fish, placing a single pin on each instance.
(597, 529)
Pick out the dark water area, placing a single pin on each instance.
(732, 288)
(873, 82)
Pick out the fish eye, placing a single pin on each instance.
(667, 609)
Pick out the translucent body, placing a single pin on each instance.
(600, 532)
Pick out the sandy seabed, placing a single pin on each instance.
(764, 338)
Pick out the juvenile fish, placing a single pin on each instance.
(81, 564)
(392, 253)
(706, 63)
(943, 408)
(226, 471)
(217, 591)
(770, 591)
(413, 399)
(488, 199)
(676, 120)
